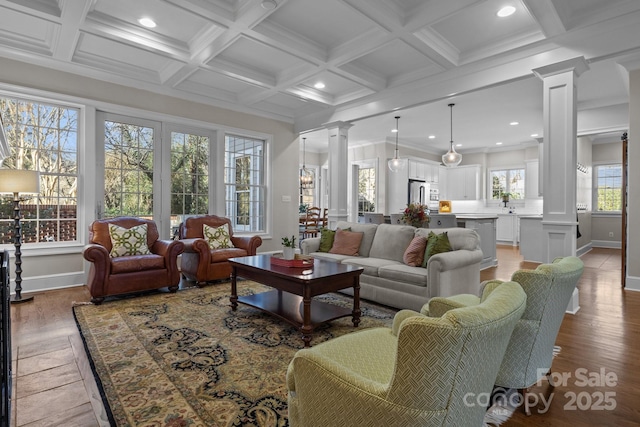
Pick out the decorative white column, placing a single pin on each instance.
(559, 220)
(338, 171)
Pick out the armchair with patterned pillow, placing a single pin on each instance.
(424, 371)
(209, 243)
(126, 256)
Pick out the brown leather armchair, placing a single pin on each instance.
(203, 264)
(126, 274)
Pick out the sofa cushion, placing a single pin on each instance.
(217, 237)
(128, 241)
(370, 265)
(414, 254)
(437, 244)
(329, 257)
(391, 241)
(346, 242)
(403, 273)
(136, 263)
(369, 231)
(222, 255)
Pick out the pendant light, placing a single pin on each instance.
(306, 176)
(396, 164)
(451, 158)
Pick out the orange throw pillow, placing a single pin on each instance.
(414, 253)
(346, 242)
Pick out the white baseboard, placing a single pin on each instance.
(632, 283)
(574, 302)
(606, 244)
(584, 249)
(50, 282)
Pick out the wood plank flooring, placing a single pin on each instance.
(54, 386)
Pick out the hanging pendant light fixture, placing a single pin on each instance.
(396, 164)
(306, 175)
(451, 158)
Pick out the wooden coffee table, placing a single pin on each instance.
(294, 289)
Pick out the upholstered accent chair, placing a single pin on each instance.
(203, 263)
(153, 265)
(530, 352)
(424, 371)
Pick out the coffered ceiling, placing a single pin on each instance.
(376, 59)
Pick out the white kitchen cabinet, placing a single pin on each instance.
(531, 187)
(485, 226)
(462, 183)
(507, 229)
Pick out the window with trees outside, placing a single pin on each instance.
(43, 137)
(608, 188)
(509, 181)
(244, 179)
(366, 190)
(189, 176)
(128, 170)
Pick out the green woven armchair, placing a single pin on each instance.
(530, 352)
(422, 372)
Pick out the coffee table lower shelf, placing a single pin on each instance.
(289, 307)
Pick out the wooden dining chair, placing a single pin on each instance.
(312, 223)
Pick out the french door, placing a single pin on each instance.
(153, 170)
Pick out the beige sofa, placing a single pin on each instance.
(387, 280)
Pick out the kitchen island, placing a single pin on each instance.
(485, 226)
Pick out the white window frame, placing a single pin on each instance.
(489, 191)
(83, 129)
(595, 210)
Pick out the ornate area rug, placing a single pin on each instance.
(187, 360)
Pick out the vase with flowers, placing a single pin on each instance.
(416, 215)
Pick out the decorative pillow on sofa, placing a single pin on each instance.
(326, 239)
(217, 237)
(414, 253)
(346, 242)
(128, 241)
(436, 244)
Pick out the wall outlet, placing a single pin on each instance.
(611, 234)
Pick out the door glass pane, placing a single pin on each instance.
(189, 176)
(128, 171)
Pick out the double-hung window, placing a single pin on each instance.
(244, 180)
(42, 136)
(608, 188)
(509, 181)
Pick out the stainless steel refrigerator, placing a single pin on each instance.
(418, 192)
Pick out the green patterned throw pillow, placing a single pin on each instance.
(217, 237)
(128, 241)
(436, 244)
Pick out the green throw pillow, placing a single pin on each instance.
(436, 244)
(128, 241)
(326, 239)
(217, 237)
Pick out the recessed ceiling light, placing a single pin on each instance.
(533, 135)
(432, 137)
(394, 130)
(319, 85)
(514, 123)
(506, 11)
(458, 145)
(498, 143)
(269, 4)
(147, 22)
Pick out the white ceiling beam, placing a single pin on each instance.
(74, 12)
(547, 17)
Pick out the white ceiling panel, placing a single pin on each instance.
(172, 21)
(26, 31)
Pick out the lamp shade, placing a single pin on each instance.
(19, 181)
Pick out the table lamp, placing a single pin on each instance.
(19, 181)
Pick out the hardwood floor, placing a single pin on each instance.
(54, 386)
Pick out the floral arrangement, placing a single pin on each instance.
(416, 214)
